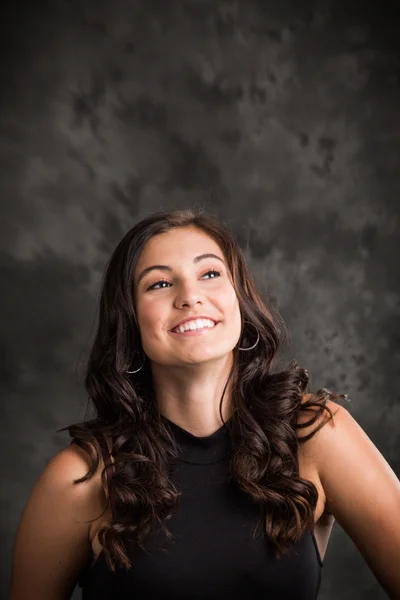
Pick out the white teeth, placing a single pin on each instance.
(196, 324)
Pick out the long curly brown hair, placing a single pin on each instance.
(265, 404)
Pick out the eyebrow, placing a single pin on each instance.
(168, 268)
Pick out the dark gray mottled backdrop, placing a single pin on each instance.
(281, 117)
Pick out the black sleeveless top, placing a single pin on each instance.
(214, 553)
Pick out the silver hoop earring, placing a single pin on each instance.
(258, 338)
(141, 366)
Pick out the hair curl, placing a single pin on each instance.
(266, 406)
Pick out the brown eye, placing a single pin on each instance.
(152, 287)
(218, 273)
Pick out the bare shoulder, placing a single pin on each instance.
(52, 540)
(317, 426)
(362, 492)
(67, 466)
(311, 449)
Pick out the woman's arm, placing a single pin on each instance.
(52, 541)
(363, 494)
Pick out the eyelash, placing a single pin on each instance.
(164, 281)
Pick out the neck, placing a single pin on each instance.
(190, 396)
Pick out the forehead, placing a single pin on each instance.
(177, 245)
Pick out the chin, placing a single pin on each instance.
(212, 357)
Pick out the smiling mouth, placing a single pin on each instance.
(197, 330)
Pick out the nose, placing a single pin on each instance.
(188, 303)
(188, 295)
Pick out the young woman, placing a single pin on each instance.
(206, 472)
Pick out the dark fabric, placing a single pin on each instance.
(214, 554)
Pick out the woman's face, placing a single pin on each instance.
(184, 284)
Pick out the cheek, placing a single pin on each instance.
(150, 318)
(230, 306)
(230, 300)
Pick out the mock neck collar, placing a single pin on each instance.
(203, 450)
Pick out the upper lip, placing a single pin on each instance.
(193, 318)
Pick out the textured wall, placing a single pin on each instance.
(282, 117)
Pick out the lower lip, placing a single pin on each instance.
(192, 332)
